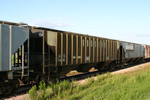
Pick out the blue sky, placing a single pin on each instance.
(127, 20)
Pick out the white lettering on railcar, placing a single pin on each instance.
(74, 57)
(87, 58)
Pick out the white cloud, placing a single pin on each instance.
(138, 38)
(143, 35)
(51, 24)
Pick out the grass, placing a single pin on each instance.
(130, 86)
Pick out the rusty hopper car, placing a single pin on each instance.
(30, 54)
(55, 53)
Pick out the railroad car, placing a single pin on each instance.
(60, 52)
(131, 53)
(14, 56)
(30, 54)
(147, 52)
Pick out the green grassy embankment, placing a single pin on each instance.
(128, 86)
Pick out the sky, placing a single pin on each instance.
(126, 20)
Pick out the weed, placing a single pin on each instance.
(64, 85)
(33, 93)
(42, 86)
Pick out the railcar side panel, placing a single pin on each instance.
(85, 49)
(132, 50)
(67, 53)
(79, 49)
(87, 53)
(89, 49)
(147, 51)
(93, 50)
(97, 56)
(101, 50)
(91, 59)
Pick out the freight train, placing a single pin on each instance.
(30, 54)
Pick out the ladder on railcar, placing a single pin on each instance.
(46, 61)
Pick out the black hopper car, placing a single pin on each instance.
(29, 54)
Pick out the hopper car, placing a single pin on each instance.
(29, 53)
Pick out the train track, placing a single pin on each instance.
(25, 88)
(21, 90)
(95, 73)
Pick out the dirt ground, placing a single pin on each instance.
(133, 68)
(127, 70)
(19, 97)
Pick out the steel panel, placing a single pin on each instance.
(147, 51)
(134, 52)
(0, 49)
(56, 52)
(14, 35)
(89, 49)
(81, 50)
(61, 48)
(67, 49)
(77, 49)
(19, 36)
(4, 47)
(51, 38)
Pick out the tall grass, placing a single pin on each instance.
(42, 94)
(132, 86)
